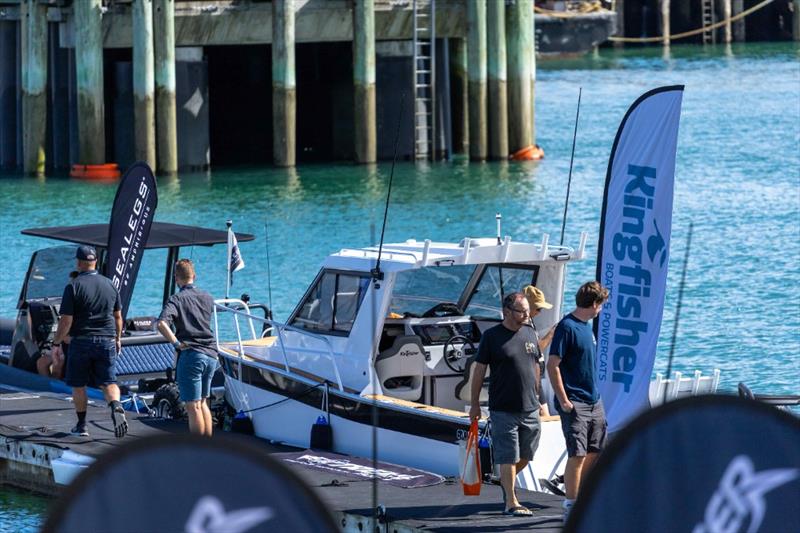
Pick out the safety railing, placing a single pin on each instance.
(278, 329)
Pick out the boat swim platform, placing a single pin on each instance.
(35, 445)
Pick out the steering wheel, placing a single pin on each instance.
(443, 309)
(455, 359)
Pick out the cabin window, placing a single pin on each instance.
(495, 283)
(49, 273)
(332, 304)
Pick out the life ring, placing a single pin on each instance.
(530, 153)
(107, 171)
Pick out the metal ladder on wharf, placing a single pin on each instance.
(709, 36)
(424, 64)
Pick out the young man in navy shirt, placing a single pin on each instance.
(571, 367)
(91, 316)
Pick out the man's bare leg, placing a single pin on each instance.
(79, 399)
(111, 392)
(588, 464)
(572, 476)
(197, 422)
(209, 422)
(508, 473)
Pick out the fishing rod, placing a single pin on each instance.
(269, 272)
(678, 306)
(571, 159)
(376, 272)
(377, 275)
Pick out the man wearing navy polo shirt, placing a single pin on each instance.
(189, 311)
(91, 316)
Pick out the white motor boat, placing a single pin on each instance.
(398, 334)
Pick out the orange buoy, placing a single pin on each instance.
(107, 171)
(529, 153)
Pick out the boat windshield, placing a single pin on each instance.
(49, 272)
(416, 291)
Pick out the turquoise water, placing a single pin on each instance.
(737, 180)
(20, 512)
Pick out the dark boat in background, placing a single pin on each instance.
(572, 28)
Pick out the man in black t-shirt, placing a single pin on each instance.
(511, 351)
(91, 316)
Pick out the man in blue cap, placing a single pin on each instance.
(91, 316)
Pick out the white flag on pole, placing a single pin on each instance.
(235, 259)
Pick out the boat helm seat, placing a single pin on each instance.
(463, 389)
(400, 368)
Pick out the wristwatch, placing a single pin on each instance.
(176, 344)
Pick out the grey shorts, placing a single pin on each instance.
(584, 428)
(515, 436)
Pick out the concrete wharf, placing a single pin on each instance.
(34, 433)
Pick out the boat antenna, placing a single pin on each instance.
(377, 275)
(678, 307)
(191, 252)
(374, 404)
(571, 159)
(269, 272)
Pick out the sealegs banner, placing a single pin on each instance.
(131, 218)
(633, 250)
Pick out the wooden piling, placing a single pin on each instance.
(665, 27)
(284, 98)
(144, 117)
(34, 85)
(796, 20)
(739, 26)
(619, 7)
(87, 22)
(166, 114)
(496, 66)
(519, 27)
(364, 81)
(726, 15)
(459, 100)
(476, 52)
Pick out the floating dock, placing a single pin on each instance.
(37, 451)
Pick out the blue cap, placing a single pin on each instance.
(86, 253)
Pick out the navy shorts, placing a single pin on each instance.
(195, 370)
(515, 436)
(584, 428)
(92, 360)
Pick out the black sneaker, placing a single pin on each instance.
(79, 430)
(120, 422)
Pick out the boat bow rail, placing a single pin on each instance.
(238, 308)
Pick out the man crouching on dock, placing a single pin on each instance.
(91, 315)
(190, 312)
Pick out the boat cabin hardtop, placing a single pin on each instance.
(425, 312)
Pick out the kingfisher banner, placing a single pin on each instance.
(131, 218)
(635, 228)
